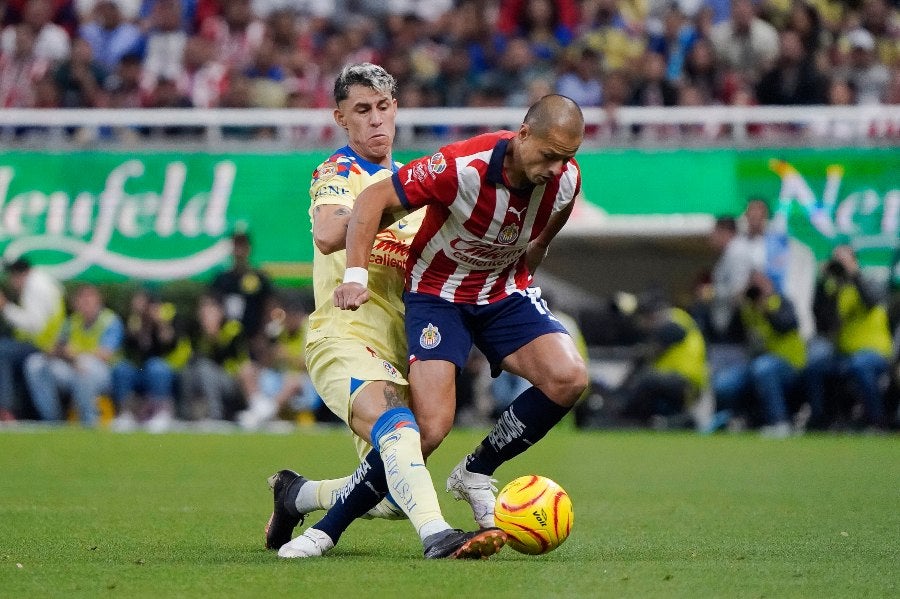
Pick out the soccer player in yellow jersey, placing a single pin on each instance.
(357, 360)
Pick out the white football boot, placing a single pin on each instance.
(312, 543)
(477, 489)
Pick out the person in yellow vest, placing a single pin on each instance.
(218, 350)
(81, 361)
(850, 317)
(277, 381)
(674, 370)
(35, 320)
(777, 359)
(155, 350)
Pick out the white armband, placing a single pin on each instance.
(357, 274)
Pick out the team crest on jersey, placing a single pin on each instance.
(508, 234)
(430, 337)
(437, 164)
(390, 369)
(326, 171)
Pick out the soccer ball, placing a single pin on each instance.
(535, 513)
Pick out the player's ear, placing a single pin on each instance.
(524, 132)
(339, 118)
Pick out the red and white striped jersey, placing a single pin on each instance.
(471, 246)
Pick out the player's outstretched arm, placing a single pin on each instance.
(371, 206)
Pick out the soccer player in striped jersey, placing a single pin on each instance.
(495, 202)
(357, 361)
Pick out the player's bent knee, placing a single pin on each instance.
(569, 382)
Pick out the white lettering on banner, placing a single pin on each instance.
(129, 215)
(833, 217)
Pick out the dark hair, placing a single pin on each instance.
(19, 265)
(728, 223)
(367, 74)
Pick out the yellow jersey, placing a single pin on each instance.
(379, 322)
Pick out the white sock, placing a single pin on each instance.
(430, 528)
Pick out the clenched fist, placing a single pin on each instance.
(350, 296)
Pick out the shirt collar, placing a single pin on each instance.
(369, 167)
(495, 166)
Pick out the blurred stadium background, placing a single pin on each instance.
(137, 135)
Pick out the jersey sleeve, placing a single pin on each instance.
(330, 185)
(427, 180)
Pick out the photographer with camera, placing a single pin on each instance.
(761, 385)
(854, 344)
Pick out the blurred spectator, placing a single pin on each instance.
(166, 41)
(130, 9)
(613, 31)
(20, 70)
(456, 78)
(518, 68)
(203, 78)
(671, 370)
(804, 19)
(51, 42)
(124, 86)
(208, 385)
(869, 77)
(186, 11)
(80, 364)
(653, 89)
(547, 25)
(728, 281)
(110, 36)
(881, 19)
(583, 82)
(851, 317)
(701, 73)
(247, 293)
(155, 350)
(674, 42)
(277, 382)
(745, 43)
(794, 79)
(36, 320)
(236, 33)
(81, 78)
(760, 387)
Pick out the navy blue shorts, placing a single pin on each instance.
(437, 329)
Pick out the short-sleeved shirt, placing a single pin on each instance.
(379, 322)
(472, 244)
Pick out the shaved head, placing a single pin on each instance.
(555, 112)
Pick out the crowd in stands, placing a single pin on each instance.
(473, 53)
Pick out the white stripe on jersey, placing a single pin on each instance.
(448, 289)
(567, 184)
(468, 185)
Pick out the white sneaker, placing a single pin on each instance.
(477, 489)
(312, 543)
(124, 423)
(161, 422)
(780, 430)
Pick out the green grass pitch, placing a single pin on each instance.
(98, 514)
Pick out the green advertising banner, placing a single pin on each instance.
(106, 216)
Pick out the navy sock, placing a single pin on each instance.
(367, 487)
(522, 424)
